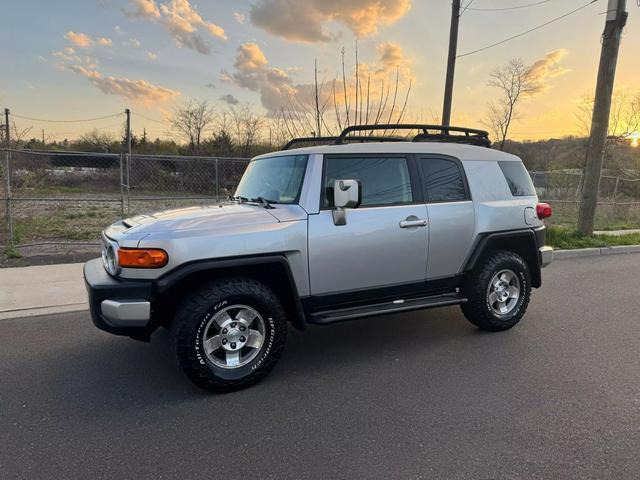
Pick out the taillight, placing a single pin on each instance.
(142, 257)
(543, 210)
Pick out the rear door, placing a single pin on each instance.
(451, 213)
(384, 241)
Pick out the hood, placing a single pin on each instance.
(193, 218)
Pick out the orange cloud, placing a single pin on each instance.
(305, 20)
(181, 20)
(392, 58)
(104, 41)
(137, 90)
(253, 73)
(250, 58)
(546, 68)
(81, 40)
(145, 9)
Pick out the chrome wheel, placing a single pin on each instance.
(503, 292)
(233, 336)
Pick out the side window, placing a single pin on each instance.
(384, 180)
(443, 181)
(518, 179)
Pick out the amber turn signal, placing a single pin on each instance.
(142, 257)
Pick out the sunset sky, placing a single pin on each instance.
(69, 60)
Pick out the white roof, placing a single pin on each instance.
(457, 150)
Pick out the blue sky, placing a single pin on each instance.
(36, 81)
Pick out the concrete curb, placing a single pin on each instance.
(60, 288)
(44, 310)
(593, 252)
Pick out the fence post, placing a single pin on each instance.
(121, 185)
(128, 113)
(615, 191)
(533, 180)
(579, 187)
(7, 173)
(217, 183)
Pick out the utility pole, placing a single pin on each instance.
(128, 113)
(451, 62)
(616, 20)
(7, 175)
(43, 147)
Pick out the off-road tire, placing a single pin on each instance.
(195, 312)
(477, 309)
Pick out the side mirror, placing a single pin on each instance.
(346, 194)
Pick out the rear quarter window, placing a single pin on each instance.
(518, 179)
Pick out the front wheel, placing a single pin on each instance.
(498, 292)
(229, 334)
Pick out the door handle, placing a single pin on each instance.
(413, 222)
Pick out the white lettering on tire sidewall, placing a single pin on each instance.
(200, 332)
(267, 350)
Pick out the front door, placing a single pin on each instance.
(385, 239)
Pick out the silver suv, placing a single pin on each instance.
(355, 227)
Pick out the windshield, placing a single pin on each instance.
(274, 179)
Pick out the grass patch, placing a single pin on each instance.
(562, 238)
(51, 222)
(11, 252)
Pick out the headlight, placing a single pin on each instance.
(110, 257)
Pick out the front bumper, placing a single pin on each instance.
(546, 256)
(121, 307)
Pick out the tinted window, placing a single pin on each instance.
(384, 181)
(518, 179)
(443, 181)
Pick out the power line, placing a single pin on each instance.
(506, 8)
(150, 119)
(528, 31)
(65, 121)
(468, 5)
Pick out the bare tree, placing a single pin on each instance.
(191, 120)
(96, 141)
(624, 121)
(351, 99)
(18, 134)
(247, 128)
(514, 82)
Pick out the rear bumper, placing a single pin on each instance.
(121, 307)
(546, 256)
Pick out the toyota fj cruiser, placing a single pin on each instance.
(350, 227)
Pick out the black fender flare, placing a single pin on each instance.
(180, 273)
(523, 242)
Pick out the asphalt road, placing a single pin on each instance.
(421, 395)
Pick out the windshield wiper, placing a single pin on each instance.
(263, 201)
(260, 200)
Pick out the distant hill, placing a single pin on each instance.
(569, 153)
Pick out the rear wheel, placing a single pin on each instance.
(229, 334)
(498, 292)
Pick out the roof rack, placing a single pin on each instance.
(333, 140)
(430, 133)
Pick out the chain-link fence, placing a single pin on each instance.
(618, 204)
(68, 197)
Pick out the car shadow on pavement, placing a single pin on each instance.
(335, 347)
